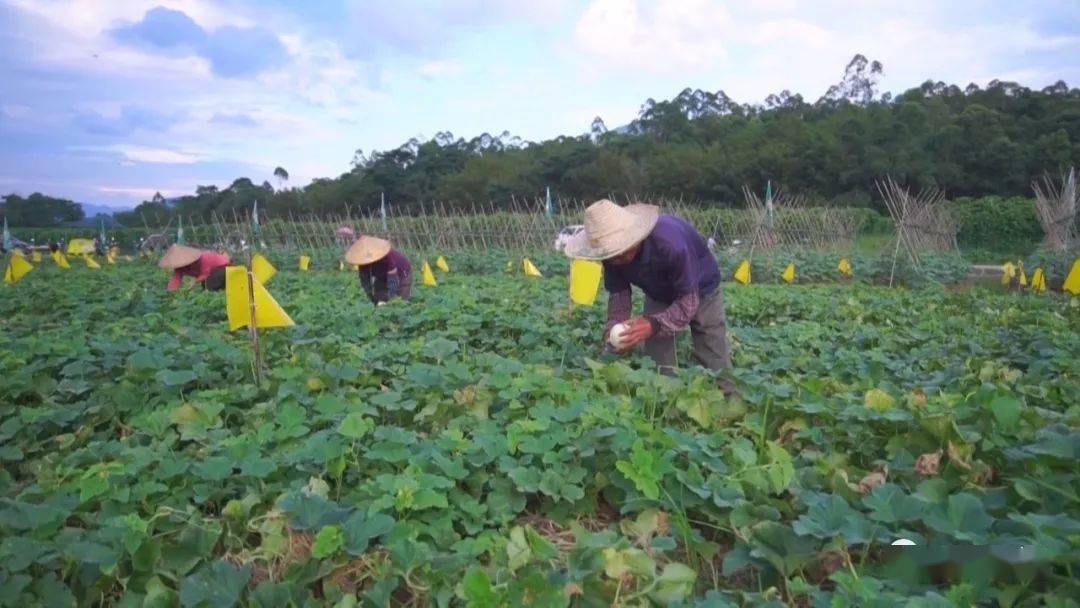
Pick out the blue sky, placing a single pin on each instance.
(108, 101)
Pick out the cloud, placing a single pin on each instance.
(243, 51)
(232, 51)
(234, 119)
(164, 30)
(439, 68)
(143, 154)
(129, 119)
(662, 36)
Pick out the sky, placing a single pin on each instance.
(110, 101)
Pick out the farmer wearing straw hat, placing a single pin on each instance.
(671, 263)
(384, 271)
(206, 267)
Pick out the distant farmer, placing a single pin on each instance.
(345, 235)
(671, 263)
(206, 267)
(384, 271)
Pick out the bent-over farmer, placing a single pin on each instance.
(385, 272)
(671, 263)
(206, 267)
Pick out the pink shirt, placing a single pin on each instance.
(200, 269)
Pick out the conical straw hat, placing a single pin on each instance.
(367, 250)
(178, 256)
(611, 230)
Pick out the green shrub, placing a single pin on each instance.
(1005, 225)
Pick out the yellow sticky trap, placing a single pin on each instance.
(529, 269)
(429, 277)
(442, 265)
(1023, 278)
(789, 273)
(16, 269)
(844, 267)
(1038, 281)
(60, 260)
(305, 261)
(262, 268)
(1008, 271)
(1072, 282)
(509, 267)
(268, 313)
(110, 258)
(584, 281)
(80, 246)
(36, 256)
(742, 273)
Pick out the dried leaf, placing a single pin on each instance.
(871, 481)
(928, 464)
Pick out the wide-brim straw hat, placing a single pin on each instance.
(611, 230)
(367, 250)
(178, 256)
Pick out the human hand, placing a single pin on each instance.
(637, 331)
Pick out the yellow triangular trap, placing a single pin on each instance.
(1023, 278)
(80, 246)
(789, 273)
(442, 265)
(16, 269)
(584, 281)
(1008, 271)
(742, 273)
(111, 258)
(262, 268)
(529, 269)
(90, 263)
(1072, 282)
(304, 262)
(1038, 281)
(60, 260)
(429, 277)
(36, 256)
(844, 267)
(268, 313)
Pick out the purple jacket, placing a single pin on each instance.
(674, 261)
(383, 279)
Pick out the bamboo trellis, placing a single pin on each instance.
(922, 222)
(790, 224)
(1056, 209)
(518, 226)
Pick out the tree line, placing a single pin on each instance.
(702, 146)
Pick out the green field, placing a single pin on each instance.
(477, 447)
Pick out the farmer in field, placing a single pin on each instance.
(671, 263)
(206, 267)
(385, 273)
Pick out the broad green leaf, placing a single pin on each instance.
(356, 425)
(327, 542)
(675, 583)
(963, 517)
(219, 584)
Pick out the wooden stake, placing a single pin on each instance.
(253, 327)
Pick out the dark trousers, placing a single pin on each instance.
(708, 335)
(216, 279)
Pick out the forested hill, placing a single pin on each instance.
(702, 146)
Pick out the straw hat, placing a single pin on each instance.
(367, 250)
(611, 230)
(178, 256)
